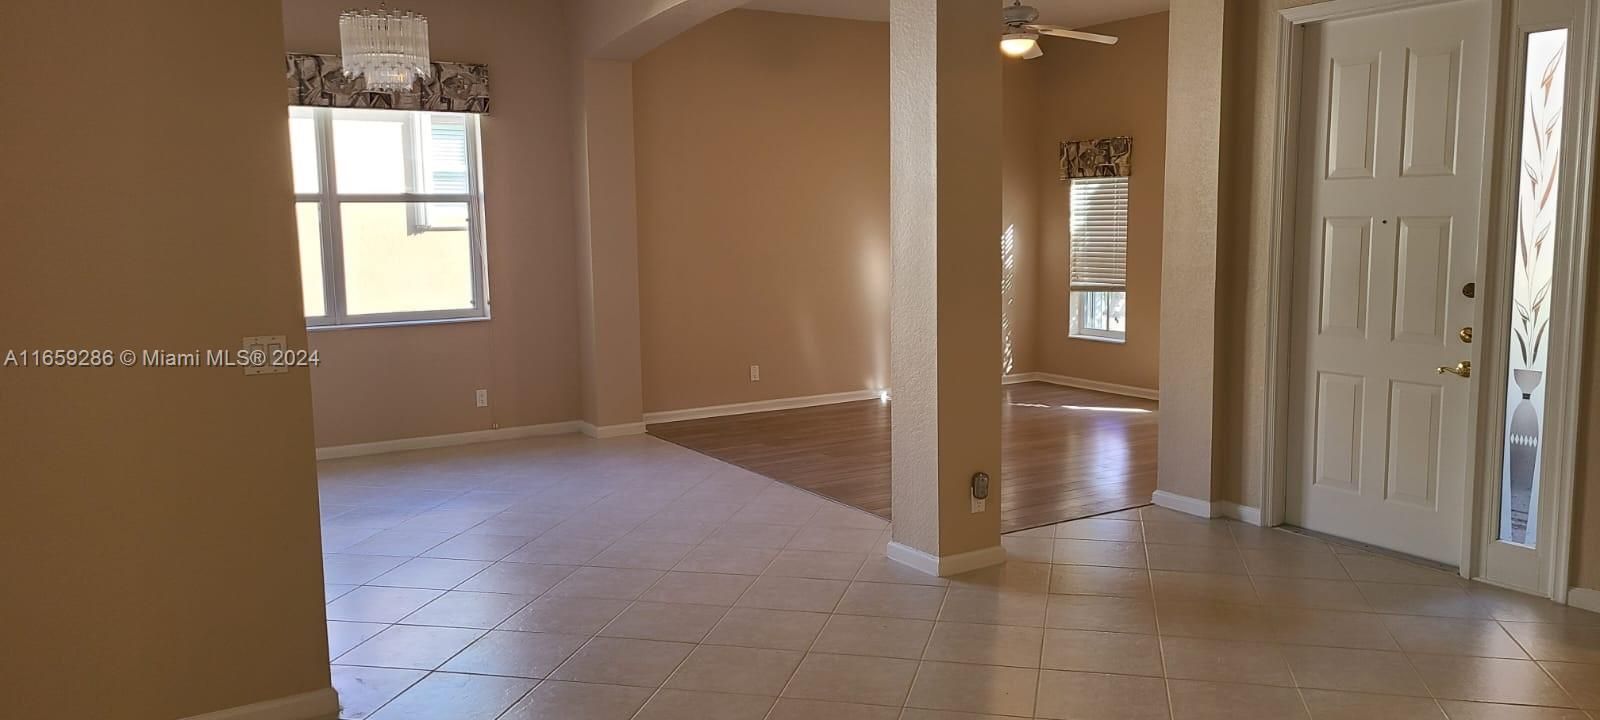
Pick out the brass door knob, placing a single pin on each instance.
(1463, 369)
(1466, 335)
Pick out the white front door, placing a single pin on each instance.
(1390, 173)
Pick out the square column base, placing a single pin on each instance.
(949, 564)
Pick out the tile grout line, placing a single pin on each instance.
(1538, 664)
(1155, 613)
(922, 658)
(1299, 692)
(811, 644)
(634, 602)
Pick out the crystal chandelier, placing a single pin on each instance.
(387, 47)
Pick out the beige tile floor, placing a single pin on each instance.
(572, 579)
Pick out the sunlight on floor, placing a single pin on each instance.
(1086, 408)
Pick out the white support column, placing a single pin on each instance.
(945, 358)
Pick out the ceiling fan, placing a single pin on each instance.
(1021, 38)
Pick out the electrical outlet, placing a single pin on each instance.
(755, 373)
(483, 398)
(979, 505)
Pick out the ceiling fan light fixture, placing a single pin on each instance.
(1019, 44)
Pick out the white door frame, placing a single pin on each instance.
(1577, 193)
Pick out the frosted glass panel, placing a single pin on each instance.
(1540, 171)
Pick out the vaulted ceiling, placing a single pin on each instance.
(1068, 13)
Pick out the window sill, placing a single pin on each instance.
(1093, 338)
(396, 324)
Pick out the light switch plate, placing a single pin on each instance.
(271, 349)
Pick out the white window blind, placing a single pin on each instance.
(445, 154)
(1099, 225)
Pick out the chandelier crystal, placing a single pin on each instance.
(387, 47)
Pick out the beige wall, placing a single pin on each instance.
(395, 382)
(1243, 295)
(740, 265)
(608, 247)
(159, 530)
(1586, 498)
(763, 186)
(1088, 91)
(627, 29)
(1019, 213)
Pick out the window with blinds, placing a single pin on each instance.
(1099, 234)
(1098, 258)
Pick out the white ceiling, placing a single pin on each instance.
(1068, 13)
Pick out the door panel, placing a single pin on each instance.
(1421, 295)
(1339, 420)
(1386, 235)
(1414, 444)
(1352, 113)
(1432, 81)
(1346, 260)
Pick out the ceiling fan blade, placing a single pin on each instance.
(1036, 52)
(1057, 31)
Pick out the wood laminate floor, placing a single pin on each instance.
(1065, 453)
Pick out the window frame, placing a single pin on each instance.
(417, 216)
(1080, 328)
(328, 200)
(1078, 305)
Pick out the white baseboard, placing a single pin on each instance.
(1584, 599)
(793, 403)
(947, 565)
(315, 705)
(611, 431)
(1182, 503)
(1242, 513)
(1087, 384)
(760, 406)
(435, 441)
(1206, 509)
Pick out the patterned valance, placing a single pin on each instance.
(1101, 157)
(319, 80)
